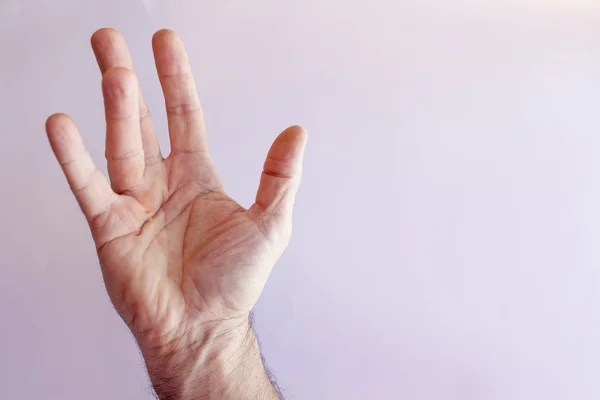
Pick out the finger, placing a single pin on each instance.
(111, 51)
(281, 176)
(87, 182)
(186, 122)
(124, 150)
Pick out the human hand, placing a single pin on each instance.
(183, 263)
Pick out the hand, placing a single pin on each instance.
(181, 260)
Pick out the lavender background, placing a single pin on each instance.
(446, 233)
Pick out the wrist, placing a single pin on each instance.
(215, 361)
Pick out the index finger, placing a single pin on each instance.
(185, 118)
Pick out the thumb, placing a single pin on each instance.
(281, 178)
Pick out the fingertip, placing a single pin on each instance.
(119, 81)
(57, 123)
(110, 49)
(103, 35)
(62, 134)
(298, 129)
(164, 35)
(170, 57)
(282, 172)
(294, 133)
(285, 156)
(291, 141)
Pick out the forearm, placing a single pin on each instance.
(224, 363)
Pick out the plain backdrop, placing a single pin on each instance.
(446, 232)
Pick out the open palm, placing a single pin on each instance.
(176, 251)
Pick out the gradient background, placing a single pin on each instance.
(446, 232)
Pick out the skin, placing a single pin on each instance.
(183, 263)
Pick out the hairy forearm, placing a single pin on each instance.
(224, 363)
